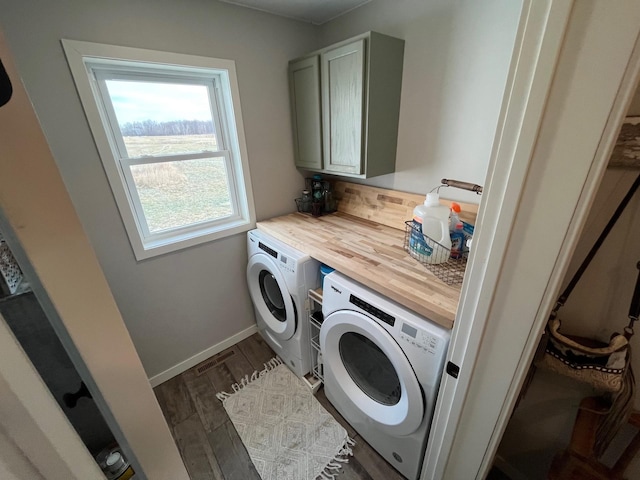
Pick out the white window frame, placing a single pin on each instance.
(91, 64)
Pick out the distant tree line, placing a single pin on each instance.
(151, 128)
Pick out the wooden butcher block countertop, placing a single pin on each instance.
(368, 251)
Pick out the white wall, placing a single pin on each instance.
(180, 304)
(456, 59)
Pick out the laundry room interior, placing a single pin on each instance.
(190, 325)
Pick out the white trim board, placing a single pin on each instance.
(559, 185)
(601, 157)
(32, 425)
(201, 357)
(81, 56)
(537, 46)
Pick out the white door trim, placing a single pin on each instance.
(599, 165)
(33, 424)
(48, 240)
(592, 84)
(538, 43)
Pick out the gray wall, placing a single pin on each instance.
(456, 60)
(175, 306)
(180, 304)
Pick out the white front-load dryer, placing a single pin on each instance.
(279, 278)
(382, 369)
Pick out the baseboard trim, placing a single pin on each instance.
(507, 469)
(202, 356)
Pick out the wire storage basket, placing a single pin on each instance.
(450, 270)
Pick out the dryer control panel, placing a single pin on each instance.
(371, 310)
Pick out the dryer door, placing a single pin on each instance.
(372, 371)
(270, 296)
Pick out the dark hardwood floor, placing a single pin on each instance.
(207, 440)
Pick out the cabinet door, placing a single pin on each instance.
(343, 104)
(304, 83)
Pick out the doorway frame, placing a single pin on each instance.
(44, 231)
(472, 413)
(33, 424)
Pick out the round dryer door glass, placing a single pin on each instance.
(370, 368)
(272, 295)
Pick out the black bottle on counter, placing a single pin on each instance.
(317, 189)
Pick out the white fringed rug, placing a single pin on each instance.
(288, 434)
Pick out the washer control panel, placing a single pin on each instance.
(286, 264)
(419, 339)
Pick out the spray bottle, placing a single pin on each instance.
(454, 218)
(456, 231)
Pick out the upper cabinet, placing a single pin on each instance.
(304, 82)
(343, 87)
(345, 103)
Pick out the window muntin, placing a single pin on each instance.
(178, 179)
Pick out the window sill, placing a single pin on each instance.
(163, 246)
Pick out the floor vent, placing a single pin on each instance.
(213, 361)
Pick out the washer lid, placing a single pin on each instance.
(372, 371)
(270, 296)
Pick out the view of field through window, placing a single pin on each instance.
(178, 193)
(159, 120)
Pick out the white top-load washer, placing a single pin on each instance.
(279, 278)
(382, 369)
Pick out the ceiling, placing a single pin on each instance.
(310, 11)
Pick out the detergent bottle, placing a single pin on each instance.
(430, 241)
(457, 241)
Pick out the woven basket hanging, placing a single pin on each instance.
(591, 361)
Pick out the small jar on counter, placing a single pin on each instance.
(329, 202)
(306, 201)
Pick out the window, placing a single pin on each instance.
(169, 132)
